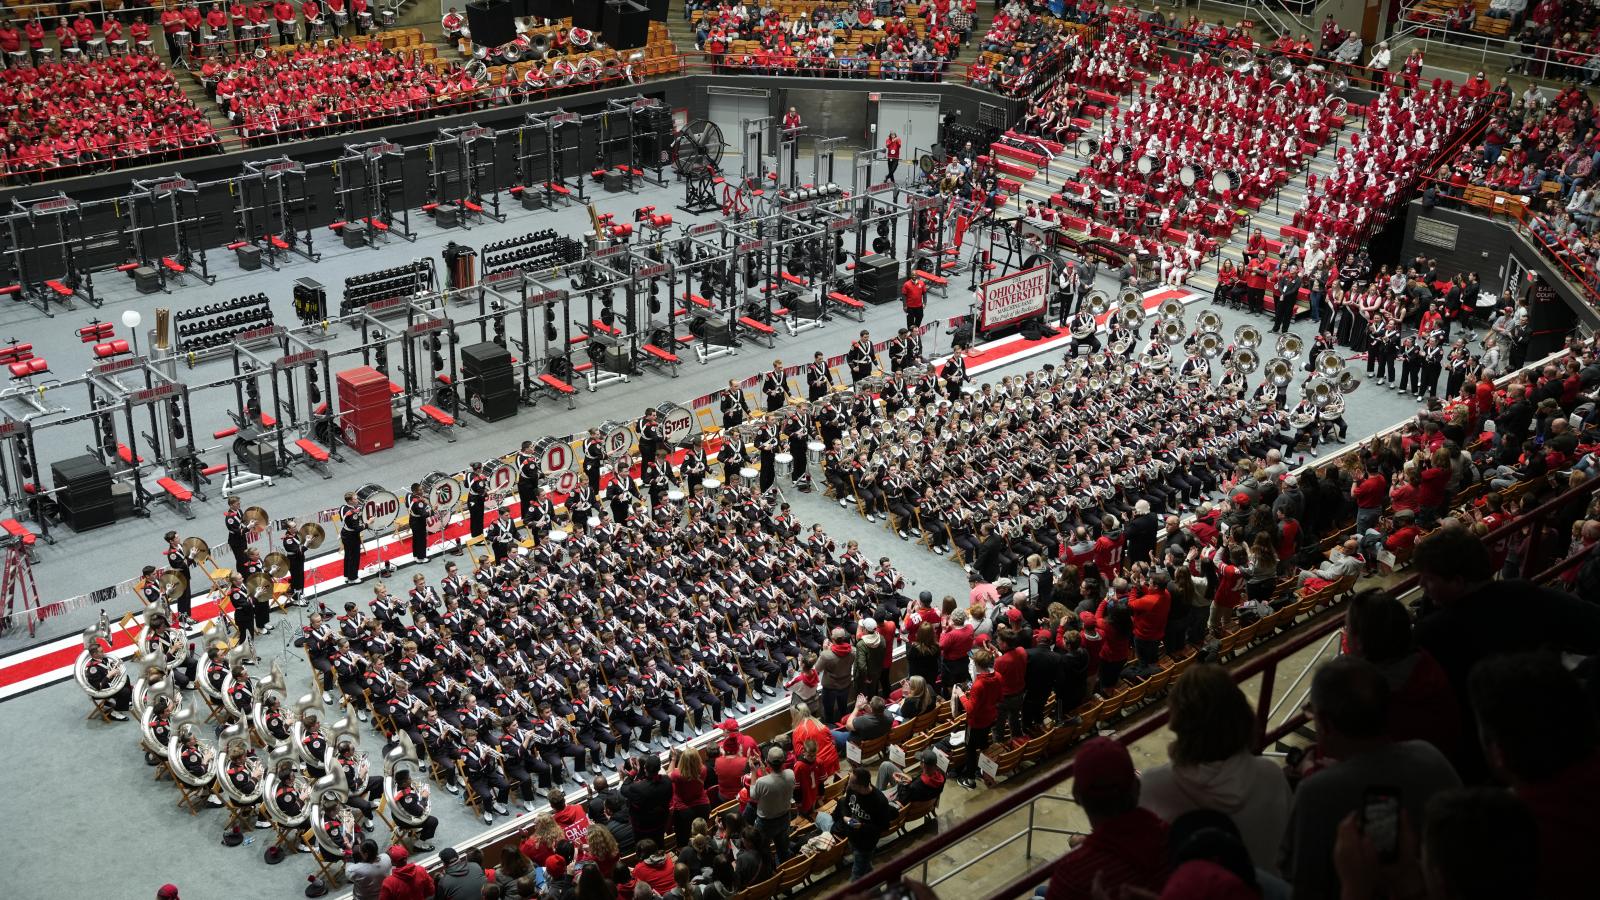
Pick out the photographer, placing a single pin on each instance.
(648, 795)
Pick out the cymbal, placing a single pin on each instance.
(314, 535)
(172, 584)
(255, 515)
(276, 565)
(197, 549)
(259, 586)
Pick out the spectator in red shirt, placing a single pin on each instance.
(954, 645)
(1012, 667)
(1370, 490)
(1126, 845)
(1538, 730)
(10, 39)
(982, 704)
(912, 295)
(689, 799)
(572, 819)
(655, 867)
(1150, 606)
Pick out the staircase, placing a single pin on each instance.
(227, 135)
(679, 28)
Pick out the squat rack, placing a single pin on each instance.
(281, 221)
(181, 198)
(464, 168)
(547, 151)
(370, 176)
(171, 437)
(36, 280)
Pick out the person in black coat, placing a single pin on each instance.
(862, 815)
(991, 547)
(1139, 535)
(1074, 684)
(649, 797)
(1043, 675)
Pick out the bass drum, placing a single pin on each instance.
(1190, 175)
(1225, 180)
(1120, 153)
(555, 456)
(1087, 147)
(502, 480)
(444, 497)
(677, 423)
(379, 505)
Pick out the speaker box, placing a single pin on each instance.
(658, 10)
(552, 9)
(492, 406)
(587, 14)
(627, 24)
(493, 22)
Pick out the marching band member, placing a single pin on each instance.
(528, 471)
(363, 785)
(414, 800)
(241, 775)
(179, 561)
(418, 509)
(294, 548)
(233, 520)
(775, 386)
(861, 358)
(193, 760)
(99, 673)
(734, 406)
(483, 775)
(477, 498)
(351, 523)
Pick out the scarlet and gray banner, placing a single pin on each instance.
(1009, 299)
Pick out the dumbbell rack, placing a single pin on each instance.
(219, 323)
(533, 252)
(377, 291)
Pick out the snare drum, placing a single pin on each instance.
(341, 18)
(97, 48)
(675, 496)
(364, 20)
(146, 48)
(71, 54)
(557, 535)
(180, 39)
(814, 452)
(18, 59)
(749, 474)
(785, 463)
(119, 47)
(712, 486)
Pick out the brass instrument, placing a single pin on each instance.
(100, 631)
(284, 767)
(1245, 361)
(1247, 337)
(1120, 344)
(1097, 304)
(330, 787)
(1329, 364)
(1302, 418)
(1171, 308)
(181, 724)
(1210, 344)
(1279, 371)
(1289, 346)
(1131, 297)
(1131, 316)
(1082, 327)
(1209, 322)
(233, 737)
(1335, 407)
(1319, 390)
(1348, 382)
(1171, 330)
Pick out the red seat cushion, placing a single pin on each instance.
(175, 490)
(556, 384)
(312, 450)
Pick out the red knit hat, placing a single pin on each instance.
(1101, 767)
(555, 866)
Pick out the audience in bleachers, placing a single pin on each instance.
(83, 116)
(854, 38)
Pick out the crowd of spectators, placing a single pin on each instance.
(852, 38)
(322, 89)
(86, 115)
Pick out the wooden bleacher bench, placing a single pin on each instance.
(176, 494)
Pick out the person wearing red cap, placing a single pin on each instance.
(558, 883)
(407, 880)
(1126, 845)
(167, 892)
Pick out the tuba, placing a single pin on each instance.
(232, 737)
(283, 768)
(1083, 326)
(1247, 337)
(1280, 67)
(331, 786)
(1330, 364)
(1131, 315)
(1299, 419)
(1210, 344)
(184, 722)
(1097, 304)
(1279, 371)
(309, 709)
(1209, 322)
(1289, 346)
(234, 657)
(1171, 308)
(403, 756)
(148, 739)
(1318, 390)
(1335, 407)
(1348, 382)
(1245, 361)
(270, 688)
(99, 632)
(1171, 330)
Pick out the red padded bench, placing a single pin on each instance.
(125, 453)
(439, 420)
(110, 349)
(22, 534)
(603, 328)
(559, 388)
(315, 457)
(848, 304)
(796, 279)
(1025, 156)
(661, 357)
(759, 328)
(176, 494)
(173, 266)
(935, 282)
(128, 268)
(472, 207)
(59, 288)
(278, 243)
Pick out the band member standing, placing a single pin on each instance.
(913, 294)
(527, 480)
(955, 370)
(233, 519)
(861, 357)
(734, 406)
(500, 537)
(244, 609)
(351, 523)
(767, 445)
(594, 457)
(418, 508)
(178, 560)
(649, 428)
(902, 351)
(477, 496)
(798, 433)
(775, 386)
(294, 547)
(819, 378)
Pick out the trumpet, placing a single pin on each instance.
(1247, 337)
(1289, 346)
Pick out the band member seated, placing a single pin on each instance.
(364, 786)
(483, 774)
(340, 827)
(414, 801)
(196, 762)
(101, 672)
(242, 769)
(160, 726)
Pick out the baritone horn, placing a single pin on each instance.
(1247, 337)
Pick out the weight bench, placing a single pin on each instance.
(934, 282)
(314, 456)
(760, 329)
(20, 531)
(439, 420)
(848, 305)
(60, 289)
(656, 356)
(554, 191)
(560, 388)
(176, 494)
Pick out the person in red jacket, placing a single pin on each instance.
(407, 880)
(1370, 490)
(1012, 667)
(1150, 605)
(891, 152)
(954, 645)
(981, 701)
(912, 294)
(10, 39)
(571, 817)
